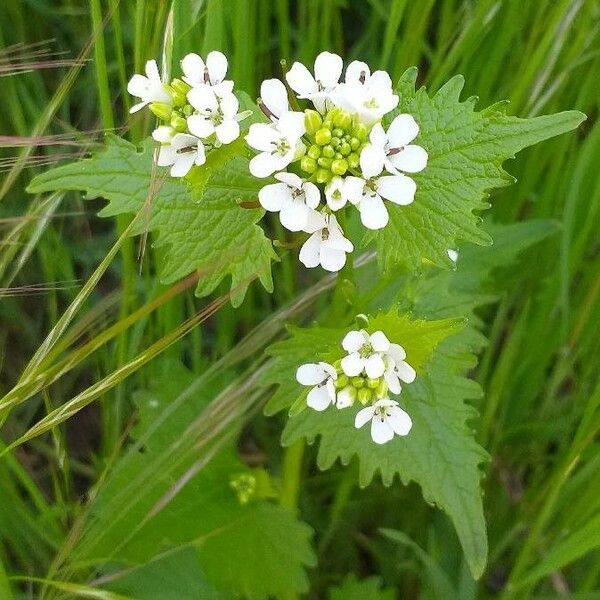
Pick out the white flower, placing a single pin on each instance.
(278, 143)
(369, 95)
(327, 246)
(317, 88)
(387, 419)
(293, 198)
(392, 149)
(341, 190)
(214, 115)
(148, 88)
(452, 254)
(322, 376)
(183, 151)
(397, 369)
(365, 353)
(367, 192)
(212, 73)
(274, 98)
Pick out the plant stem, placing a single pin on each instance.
(290, 484)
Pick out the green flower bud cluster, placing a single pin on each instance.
(361, 387)
(174, 115)
(336, 143)
(244, 485)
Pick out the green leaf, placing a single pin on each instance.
(201, 227)
(466, 152)
(159, 499)
(366, 589)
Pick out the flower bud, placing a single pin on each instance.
(357, 382)
(188, 110)
(360, 131)
(373, 383)
(312, 121)
(337, 132)
(365, 395)
(181, 87)
(335, 141)
(324, 176)
(324, 162)
(178, 123)
(339, 166)
(353, 160)
(328, 151)
(308, 164)
(342, 119)
(354, 143)
(323, 136)
(178, 99)
(382, 389)
(345, 149)
(346, 397)
(314, 151)
(161, 110)
(341, 382)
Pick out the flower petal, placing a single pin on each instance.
(374, 366)
(216, 63)
(332, 260)
(200, 154)
(200, 126)
(228, 131)
(193, 68)
(312, 195)
(291, 124)
(309, 253)
(377, 137)
(163, 134)
(392, 381)
(411, 159)
(274, 96)
(152, 71)
(183, 164)
(346, 397)
(399, 189)
(300, 80)
(316, 221)
(137, 106)
(273, 196)
(318, 398)
(137, 86)
(399, 420)
(373, 213)
(402, 130)
(405, 372)
(354, 340)
(396, 352)
(294, 215)
(229, 105)
(372, 159)
(203, 98)
(328, 69)
(166, 156)
(310, 374)
(329, 369)
(263, 165)
(379, 341)
(353, 364)
(357, 72)
(354, 188)
(363, 416)
(381, 430)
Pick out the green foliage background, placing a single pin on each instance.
(79, 504)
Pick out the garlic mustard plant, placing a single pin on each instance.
(342, 146)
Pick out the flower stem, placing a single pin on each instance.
(290, 483)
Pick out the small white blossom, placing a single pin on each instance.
(369, 95)
(387, 419)
(340, 190)
(293, 198)
(393, 150)
(327, 246)
(183, 152)
(278, 143)
(322, 376)
(366, 353)
(368, 192)
(452, 254)
(148, 88)
(397, 369)
(213, 114)
(274, 98)
(317, 88)
(212, 72)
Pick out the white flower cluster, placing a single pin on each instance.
(334, 154)
(200, 110)
(372, 369)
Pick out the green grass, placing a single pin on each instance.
(540, 417)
